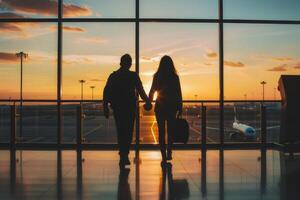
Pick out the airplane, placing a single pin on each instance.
(242, 131)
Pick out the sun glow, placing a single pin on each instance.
(155, 96)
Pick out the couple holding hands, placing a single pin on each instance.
(121, 91)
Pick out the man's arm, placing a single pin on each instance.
(140, 89)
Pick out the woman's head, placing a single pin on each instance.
(166, 67)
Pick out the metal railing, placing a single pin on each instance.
(80, 141)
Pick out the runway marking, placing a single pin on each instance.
(208, 138)
(36, 139)
(93, 130)
(152, 132)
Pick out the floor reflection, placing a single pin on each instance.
(178, 188)
(124, 192)
(220, 174)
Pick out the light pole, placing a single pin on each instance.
(263, 83)
(22, 57)
(275, 93)
(196, 97)
(245, 96)
(82, 82)
(92, 87)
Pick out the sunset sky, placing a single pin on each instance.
(91, 51)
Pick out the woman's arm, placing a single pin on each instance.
(153, 89)
(179, 96)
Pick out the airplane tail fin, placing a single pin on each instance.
(235, 114)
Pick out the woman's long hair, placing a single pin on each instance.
(166, 69)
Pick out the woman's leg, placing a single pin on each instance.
(171, 128)
(161, 132)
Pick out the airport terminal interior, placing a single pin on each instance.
(238, 64)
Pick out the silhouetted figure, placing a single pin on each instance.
(121, 93)
(124, 192)
(168, 102)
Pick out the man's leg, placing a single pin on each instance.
(120, 125)
(128, 134)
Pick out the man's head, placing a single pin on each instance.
(126, 61)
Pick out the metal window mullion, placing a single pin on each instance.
(175, 20)
(137, 68)
(221, 70)
(59, 72)
(137, 128)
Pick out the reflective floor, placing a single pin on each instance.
(242, 174)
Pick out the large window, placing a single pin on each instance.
(57, 54)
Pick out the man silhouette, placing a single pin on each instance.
(120, 92)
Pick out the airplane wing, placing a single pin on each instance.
(215, 129)
(268, 128)
(212, 128)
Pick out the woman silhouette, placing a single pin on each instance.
(168, 103)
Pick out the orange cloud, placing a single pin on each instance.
(8, 57)
(10, 27)
(211, 54)
(297, 66)
(18, 30)
(97, 80)
(10, 15)
(73, 29)
(76, 11)
(282, 59)
(233, 64)
(46, 7)
(280, 68)
(69, 28)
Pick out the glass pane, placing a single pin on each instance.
(256, 53)
(5, 122)
(262, 9)
(96, 128)
(193, 114)
(205, 9)
(104, 44)
(253, 54)
(38, 123)
(193, 48)
(242, 122)
(29, 9)
(212, 122)
(91, 52)
(69, 112)
(99, 9)
(149, 127)
(39, 43)
(273, 121)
